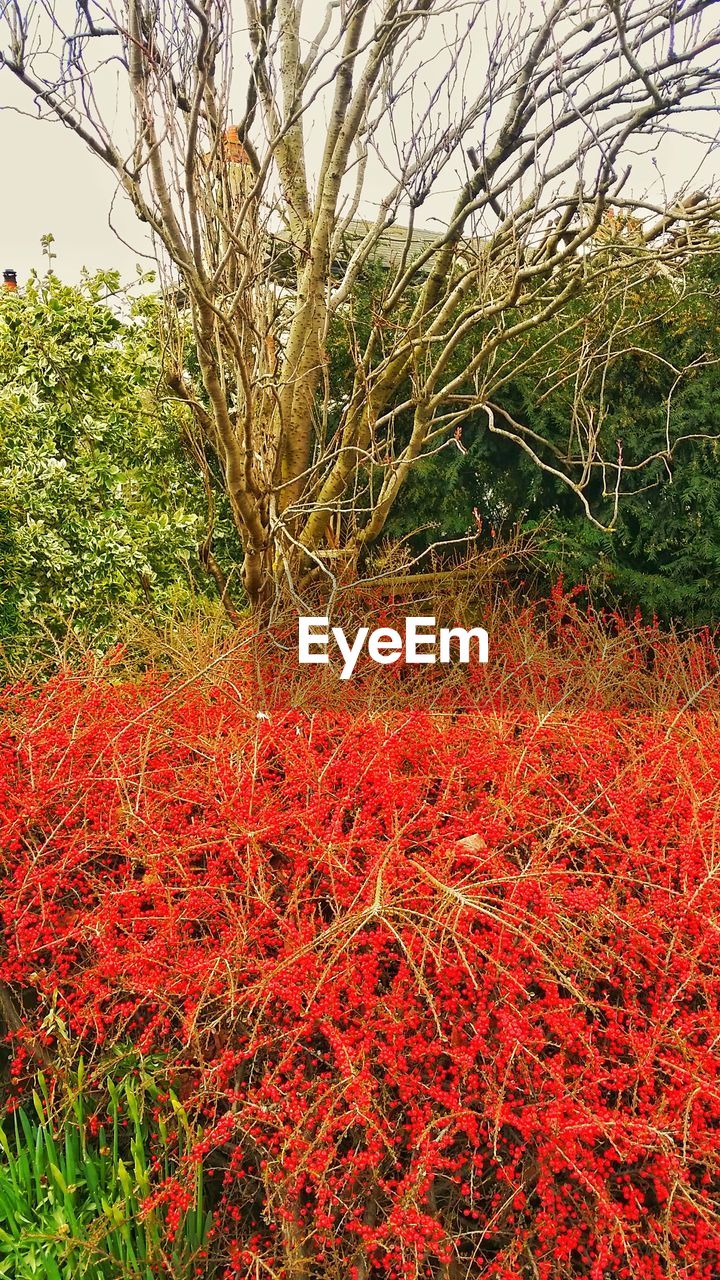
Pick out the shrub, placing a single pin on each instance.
(101, 512)
(440, 980)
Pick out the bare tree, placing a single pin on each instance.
(271, 190)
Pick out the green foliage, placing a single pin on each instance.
(76, 1197)
(664, 552)
(102, 507)
(100, 510)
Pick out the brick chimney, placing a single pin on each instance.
(235, 152)
(9, 280)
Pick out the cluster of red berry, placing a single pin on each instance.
(441, 986)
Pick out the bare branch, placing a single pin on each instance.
(445, 180)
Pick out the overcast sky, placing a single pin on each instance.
(52, 184)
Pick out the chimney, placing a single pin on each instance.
(235, 152)
(9, 280)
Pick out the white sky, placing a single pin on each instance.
(53, 184)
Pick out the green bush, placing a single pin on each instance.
(101, 509)
(664, 552)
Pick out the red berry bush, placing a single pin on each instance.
(440, 987)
